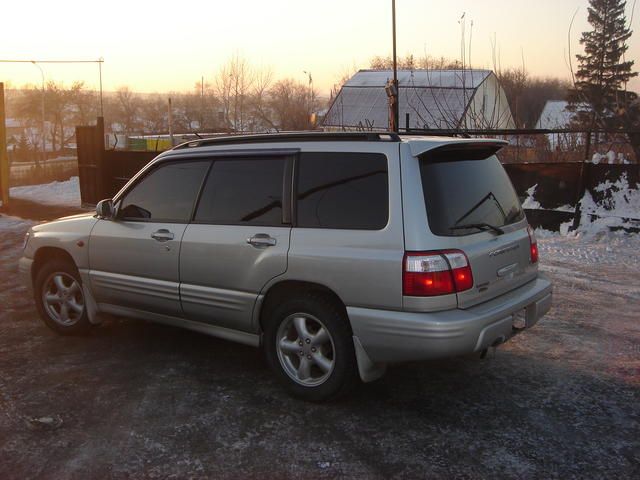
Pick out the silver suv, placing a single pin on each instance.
(337, 253)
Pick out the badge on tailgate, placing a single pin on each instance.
(509, 269)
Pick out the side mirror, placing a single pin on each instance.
(104, 209)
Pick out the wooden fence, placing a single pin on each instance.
(104, 172)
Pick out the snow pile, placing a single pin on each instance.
(616, 205)
(529, 202)
(619, 206)
(14, 224)
(64, 194)
(610, 157)
(620, 199)
(587, 248)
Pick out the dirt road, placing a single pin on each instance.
(135, 399)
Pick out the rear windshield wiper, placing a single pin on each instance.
(480, 226)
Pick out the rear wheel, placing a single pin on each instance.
(309, 346)
(60, 299)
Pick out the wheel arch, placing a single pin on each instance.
(289, 288)
(45, 254)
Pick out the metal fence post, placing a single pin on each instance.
(103, 173)
(582, 185)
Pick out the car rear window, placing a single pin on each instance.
(342, 191)
(462, 193)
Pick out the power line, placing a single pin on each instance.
(99, 61)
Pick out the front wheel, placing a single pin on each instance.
(309, 346)
(60, 299)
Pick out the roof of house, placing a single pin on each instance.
(555, 115)
(12, 123)
(434, 99)
(420, 78)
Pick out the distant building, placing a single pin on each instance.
(430, 99)
(14, 128)
(555, 116)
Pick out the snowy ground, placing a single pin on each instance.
(140, 400)
(64, 194)
(13, 224)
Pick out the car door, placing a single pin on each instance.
(134, 257)
(238, 240)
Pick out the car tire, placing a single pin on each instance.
(60, 299)
(309, 345)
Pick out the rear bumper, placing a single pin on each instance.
(392, 336)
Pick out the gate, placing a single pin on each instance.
(90, 141)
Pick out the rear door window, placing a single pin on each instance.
(243, 191)
(466, 196)
(342, 191)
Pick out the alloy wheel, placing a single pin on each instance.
(305, 349)
(62, 298)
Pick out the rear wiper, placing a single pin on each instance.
(480, 226)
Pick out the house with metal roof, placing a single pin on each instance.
(428, 99)
(555, 115)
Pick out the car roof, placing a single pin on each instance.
(418, 144)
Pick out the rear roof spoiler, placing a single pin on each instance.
(469, 150)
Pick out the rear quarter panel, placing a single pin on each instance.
(363, 267)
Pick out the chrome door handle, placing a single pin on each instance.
(162, 235)
(262, 240)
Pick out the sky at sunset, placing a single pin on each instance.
(166, 46)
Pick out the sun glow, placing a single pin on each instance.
(165, 46)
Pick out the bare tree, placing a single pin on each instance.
(26, 108)
(528, 95)
(83, 104)
(292, 104)
(260, 108)
(411, 62)
(154, 111)
(127, 109)
(56, 108)
(233, 86)
(61, 107)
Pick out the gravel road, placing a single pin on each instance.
(139, 400)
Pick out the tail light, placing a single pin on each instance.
(428, 274)
(533, 245)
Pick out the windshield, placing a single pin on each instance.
(466, 196)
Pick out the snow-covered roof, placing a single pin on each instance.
(420, 78)
(12, 123)
(438, 99)
(555, 115)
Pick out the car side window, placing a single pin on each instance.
(342, 191)
(166, 194)
(243, 191)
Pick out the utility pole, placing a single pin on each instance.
(43, 120)
(201, 126)
(100, 62)
(170, 116)
(4, 159)
(310, 101)
(392, 93)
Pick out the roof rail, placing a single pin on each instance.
(293, 137)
